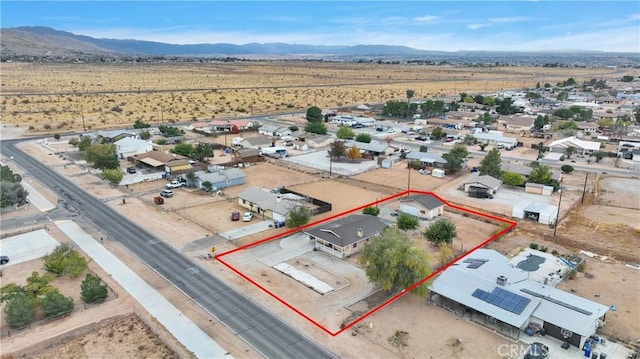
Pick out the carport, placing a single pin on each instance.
(152, 163)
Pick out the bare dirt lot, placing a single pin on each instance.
(70, 100)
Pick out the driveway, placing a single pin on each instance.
(27, 246)
(247, 230)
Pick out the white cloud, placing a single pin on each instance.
(477, 26)
(504, 20)
(634, 17)
(426, 19)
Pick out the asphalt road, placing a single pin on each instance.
(269, 335)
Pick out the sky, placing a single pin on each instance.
(428, 25)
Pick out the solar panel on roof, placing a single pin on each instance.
(504, 299)
(475, 263)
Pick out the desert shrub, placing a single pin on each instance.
(533, 245)
(372, 211)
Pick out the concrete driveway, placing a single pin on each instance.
(27, 246)
(247, 230)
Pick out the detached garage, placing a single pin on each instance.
(537, 212)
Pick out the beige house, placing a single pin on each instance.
(346, 236)
(422, 206)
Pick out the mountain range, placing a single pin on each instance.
(46, 42)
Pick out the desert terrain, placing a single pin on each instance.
(60, 98)
(57, 98)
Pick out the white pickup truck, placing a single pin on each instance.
(174, 184)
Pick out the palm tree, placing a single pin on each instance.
(569, 151)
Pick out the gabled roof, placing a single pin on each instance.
(425, 157)
(425, 200)
(258, 141)
(268, 200)
(268, 128)
(486, 181)
(248, 152)
(220, 176)
(461, 280)
(176, 162)
(520, 121)
(158, 156)
(371, 147)
(577, 143)
(344, 232)
(132, 144)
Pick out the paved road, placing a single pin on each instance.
(269, 335)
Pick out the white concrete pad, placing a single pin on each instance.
(36, 198)
(27, 246)
(247, 230)
(189, 334)
(304, 278)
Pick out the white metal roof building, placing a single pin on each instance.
(484, 285)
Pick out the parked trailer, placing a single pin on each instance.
(438, 173)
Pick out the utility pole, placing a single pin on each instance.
(84, 129)
(584, 189)
(409, 178)
(555, 227)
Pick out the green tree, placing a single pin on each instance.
(424, 148)
(56, 136)
(396, 108)
(12, 194)
(19, 312)
(566, 168)
(145, 135)
(569, 151)
(191, 178)
(438, 133)
(482, 146)
(455, 157)
(294, 128)
(540, 121)
(37, 286)
(506, 107)
(491, 164)
(627, 78)
(139, 124)
(486, 118)
(84, 143)
(184, 149)
(562, 96)
(92, 289)
(410, 94)
(314, 114)
(431, 108)
(316, 127)
(202, 151)
(64, 260)
(513, 179)
(114, 176)
(541, 174)
(441, 232)
(363, 137)
(393, 262)
(10, 290)
(207, 186)
(102, 156)
(7, 175)
(337, 149)
(54, 304)
(298, 216)
(372, 211)
(345, 132)
(599, 155)
(489, 101)
(406, 222)
(170, 131)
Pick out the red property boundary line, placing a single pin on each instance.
(509, 227)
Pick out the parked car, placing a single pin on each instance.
(247, 217)
(131, 170)
(174, 184)
(235, 216)
(4, 259)
(167, 193)
(422, 138)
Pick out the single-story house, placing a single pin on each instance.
(526, 170)
(487, 289)
(374, 148)
(221, 178)
(282, 132)
(268, 130)
(177, 166)
(486, 182)
(519, 123)
(462, 115)
(154, 159)
(543, 103)
(582, 147)
(346, 236)
(426, 159)
(588, 126)
(200, 126)
(257, 142)
(247, 155)
(269, 204)
(422, 206)
(495, 138)
(131, 146)
(470, 107)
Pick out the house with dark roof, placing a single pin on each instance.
(346, 236)
(422, 206)
(484, 288)
(485, 182)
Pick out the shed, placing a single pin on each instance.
(538, 189)
(485, 182)
(422, 206)
(537, 212)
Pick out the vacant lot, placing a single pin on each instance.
(73, 96)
